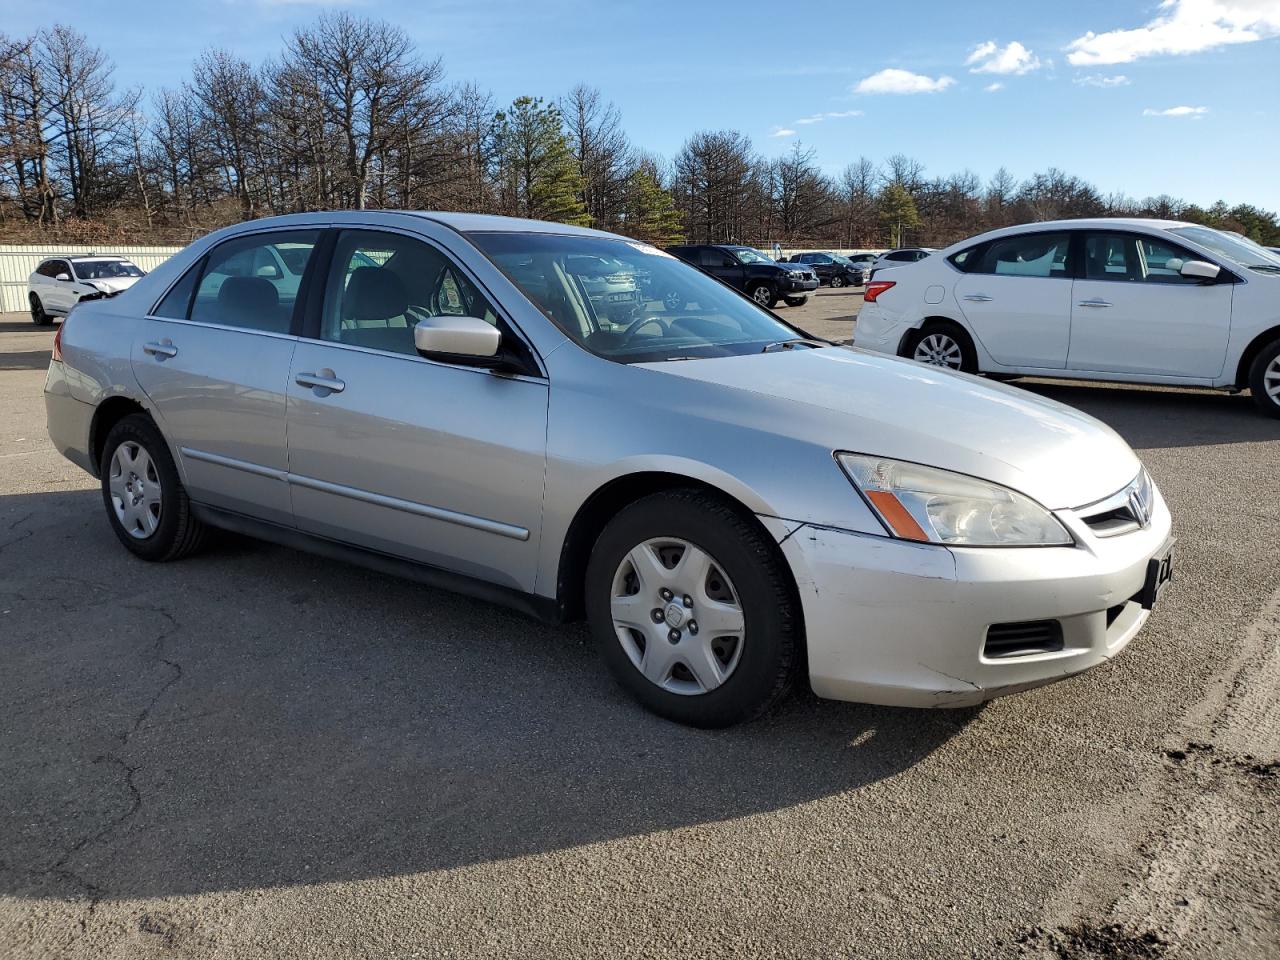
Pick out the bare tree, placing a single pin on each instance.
(601, 150)
(232, 103)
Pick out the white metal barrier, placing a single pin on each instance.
(17, 262)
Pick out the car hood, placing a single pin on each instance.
(887, 406)
(114, 284)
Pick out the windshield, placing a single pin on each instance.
(673, 311)
(843, 260)
(105, 269)
(747, 255)
(1238, 250)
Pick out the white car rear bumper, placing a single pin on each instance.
(906, 624)
(879, 329)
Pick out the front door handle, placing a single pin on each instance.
(1094, 303)
(324, 382)
(978, 298)
(161, 351)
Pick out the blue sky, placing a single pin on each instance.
(1153, 97)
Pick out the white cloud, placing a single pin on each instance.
(1182, 26)
(1196, 112)
(816, 118)
(901, 81)
(838, 114)
(783, 132)
(993, 87)
(989, 57)
(1099, 80)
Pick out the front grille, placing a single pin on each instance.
(1122, 512)
(1022, 639)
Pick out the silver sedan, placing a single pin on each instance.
(730, 502)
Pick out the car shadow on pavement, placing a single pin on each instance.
(25, 360)
(258, 717)
(1162, 417)
(26, 326)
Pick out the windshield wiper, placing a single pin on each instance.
(1264, 266)
(792, 344)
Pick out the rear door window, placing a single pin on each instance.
(246, 282)
(1028, 255)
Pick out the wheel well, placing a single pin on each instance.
(911, 337)
(1251, 351)
(601, 507)
(110, 412)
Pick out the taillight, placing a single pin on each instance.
(875, 288)
(57, 342)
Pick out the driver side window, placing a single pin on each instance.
(381, 284)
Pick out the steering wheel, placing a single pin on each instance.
(635, 326)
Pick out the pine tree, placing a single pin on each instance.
(897, 212)
(650, 213)
(537, 175)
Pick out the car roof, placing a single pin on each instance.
(1081, 223)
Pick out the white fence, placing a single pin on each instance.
(18, 261)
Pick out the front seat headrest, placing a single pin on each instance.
(374, 293)
(248, 295)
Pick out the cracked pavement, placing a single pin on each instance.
(258, 753)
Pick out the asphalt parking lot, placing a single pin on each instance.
(259, 753)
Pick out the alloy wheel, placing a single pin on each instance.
(762, 295)
(1271, 380)
(677, 616)
(837, 281)
(939, 350)
(673, 300)
(135, 489)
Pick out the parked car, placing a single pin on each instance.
(59, 283)
(1143, 301)
(761, 278)
(726, 499)
(863, 261)
(831, 268)
(611, 286)
(897, 258)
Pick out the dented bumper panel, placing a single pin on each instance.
(905, 624)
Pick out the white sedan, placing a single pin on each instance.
(59, 283)
(1143, 301)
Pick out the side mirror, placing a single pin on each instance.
(1200, 269)
(64, 277)
(457, 339)
(269, 271)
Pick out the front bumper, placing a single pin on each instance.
(905, 624)
(798, 286)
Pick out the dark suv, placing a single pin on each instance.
(762, 279)
(831, 268)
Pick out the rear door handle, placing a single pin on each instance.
(978, 298)
(1094, 303)
(324, 380)
(161, 351)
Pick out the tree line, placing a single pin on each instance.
(351, 114)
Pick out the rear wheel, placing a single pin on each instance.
(837, 281)
(796, 301)
(146, 503)
(692, 609)
(1264, 379)
(38, 316)
(945, 345)
(763, 294)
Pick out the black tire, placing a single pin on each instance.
(968, 355)
(38, 316)
(763, 294)
(1265, 370)
(837, 281)
(772, 637)
(796, 301)
(178, 532)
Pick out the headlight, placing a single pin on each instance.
(928, 505)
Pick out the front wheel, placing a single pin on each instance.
(837, 281)
(1264, 379)
(763, 294)
(692, 609)
(38, 315)
(797, 301)
(146, 503)
(945, 345)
